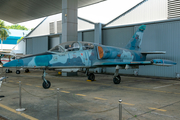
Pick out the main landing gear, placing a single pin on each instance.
(46, 84)
(18, 71)
(117, 78)
(26, 70)
(91, 76)
(8, 71)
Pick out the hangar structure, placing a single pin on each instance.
(162, 22)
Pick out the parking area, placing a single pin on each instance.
(143, 98)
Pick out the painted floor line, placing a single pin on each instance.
(165, 86)
(127, 103)
(19, 113)
(100, 98)
(39, 86)
(28, 84)
(51, 89)
(80, 95)
(65, 91)
(157, 109)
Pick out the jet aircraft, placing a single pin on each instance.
(73, 55)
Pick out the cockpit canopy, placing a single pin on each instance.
(72, 46)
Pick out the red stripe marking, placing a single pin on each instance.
(5, 60)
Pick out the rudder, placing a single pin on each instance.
(136, 40)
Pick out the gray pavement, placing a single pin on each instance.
(143, 98)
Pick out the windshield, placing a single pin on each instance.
(72, 46)
(57, 49)
(87, 45)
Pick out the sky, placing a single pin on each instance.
(102, 12)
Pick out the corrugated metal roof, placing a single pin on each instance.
(16, 11)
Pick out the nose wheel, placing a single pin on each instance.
(46, 84)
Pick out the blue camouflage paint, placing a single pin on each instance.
(136, 40)
(42, 60)
(85, 54)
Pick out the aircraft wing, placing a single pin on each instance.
(158, 62)
(53, 67)
(122, 63)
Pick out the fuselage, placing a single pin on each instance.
(77, 54)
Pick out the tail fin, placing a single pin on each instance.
(136, 40)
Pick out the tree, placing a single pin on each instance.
(19, 39)
(17, 27)
(4, 32)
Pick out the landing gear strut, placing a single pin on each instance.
(117, 78)
(46, 84)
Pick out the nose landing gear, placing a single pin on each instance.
(46, 84)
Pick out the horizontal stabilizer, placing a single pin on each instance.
(161, 62)
(153, 52)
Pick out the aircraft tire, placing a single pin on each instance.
(91, 77)
(27, 70)
(45, 85)
(18, 72)
(117, 79)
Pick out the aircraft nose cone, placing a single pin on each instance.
(10, 64)
(14, 63)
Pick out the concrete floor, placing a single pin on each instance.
(143, 98)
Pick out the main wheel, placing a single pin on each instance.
(18, 72)
(46, 85)
(117, 79)
(27, 70)
(91, 76)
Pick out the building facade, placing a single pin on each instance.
(161, 34)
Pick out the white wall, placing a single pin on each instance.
(21, 47)
(7, 46)
(43, 29)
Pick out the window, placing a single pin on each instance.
(173, 9)
(59, 26)
(51, 28)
